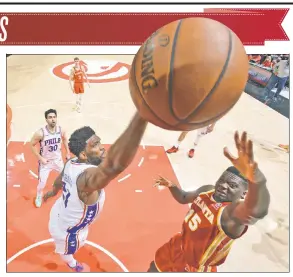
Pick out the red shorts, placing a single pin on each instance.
(78, 88)
(170, 258)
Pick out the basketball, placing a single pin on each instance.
(188, 74)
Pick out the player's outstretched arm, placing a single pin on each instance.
(256, 204)
(119, 156)
(181, 196)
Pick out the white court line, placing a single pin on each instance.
(105, 251)
(11, 130)
(143, 145)
(122, 179)
(20, 157)
(16, 186)
(138, 190)
(34, 174)
(141, 161)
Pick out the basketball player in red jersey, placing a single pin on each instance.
(218, 215)
(77, 76)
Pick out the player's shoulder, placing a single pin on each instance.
(206, 189)
(39, 132)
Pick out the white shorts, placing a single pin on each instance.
(65, 243)
(44, 170)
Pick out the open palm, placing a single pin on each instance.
(245, 161)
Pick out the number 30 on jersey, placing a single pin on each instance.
(192, 219)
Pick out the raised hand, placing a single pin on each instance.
(245, 161)
(161, 181)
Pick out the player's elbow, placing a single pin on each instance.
(184, 199)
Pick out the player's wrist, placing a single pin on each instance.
(172, 185)
(258, 178)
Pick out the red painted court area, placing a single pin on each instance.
(135, 221)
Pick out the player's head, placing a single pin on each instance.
(231, 186)
(86, 145)
(51, 117)
(76, 61)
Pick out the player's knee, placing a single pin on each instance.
(41, 185)
(153, 267)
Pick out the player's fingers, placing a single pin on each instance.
(237, 140)
(250, 151)
(243, 142)
(229, 156)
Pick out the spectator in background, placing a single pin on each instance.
(267, 62)
(255, 58)
(263, 58)
(279, 76)
(274, 61)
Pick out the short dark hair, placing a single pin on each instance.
(78, 139)
(236, 172)
(76, 59)
(50, 111)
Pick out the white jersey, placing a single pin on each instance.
(74, 215)
(50, 145)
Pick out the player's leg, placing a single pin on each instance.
(75, 91)
(176, 145)
(58, 165)
(43, 175)
(169, 257)
(80, 96)
(200, 132)
(66, 244)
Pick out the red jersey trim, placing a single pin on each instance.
(208, 192)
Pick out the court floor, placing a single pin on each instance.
(137, 218)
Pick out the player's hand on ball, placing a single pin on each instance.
(161, 181)
(245, 161)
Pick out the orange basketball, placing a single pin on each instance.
(188, 74)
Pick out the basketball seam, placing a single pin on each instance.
(215, 85)
(171, 72)
(144, 101)
(204, 123)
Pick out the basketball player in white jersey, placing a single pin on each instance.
(50, 139)
(76, 77)
(200, 132)
(83, 181)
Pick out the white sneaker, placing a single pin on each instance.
(38, 201)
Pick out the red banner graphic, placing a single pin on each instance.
(265, 26)
(253, 26)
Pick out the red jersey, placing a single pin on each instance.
(204, 243)
(77, 75)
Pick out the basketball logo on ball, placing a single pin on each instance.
(188, 74)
